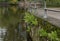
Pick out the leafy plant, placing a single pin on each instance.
(43, 32)
(53, 35)
(30, 19)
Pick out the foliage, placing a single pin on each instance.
(50, 3)
(42, 32)
(12, 17)
(46, 30)
(30, 19)
(53, 35)
(53, 3)
(52, 31)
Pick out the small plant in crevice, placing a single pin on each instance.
(30, 19)
(53, 36)
(42, 32)
(43, 35)
(46, 32)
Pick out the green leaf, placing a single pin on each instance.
(52, 35)
(43, 32)
(30, 19)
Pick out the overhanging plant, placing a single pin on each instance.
(30, 19)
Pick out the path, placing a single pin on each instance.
(53, 17)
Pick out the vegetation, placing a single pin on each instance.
(46, 30)
(20, 22)
(53, 3)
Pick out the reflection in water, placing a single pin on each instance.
(2, 33)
